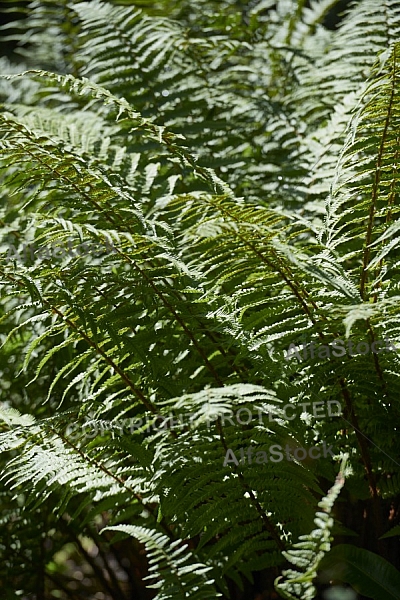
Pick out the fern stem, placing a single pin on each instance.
(121, 481)
(178, 318)
(389, 216)
(365, 455)
(375, 358)
(274, 267)
(136, 391)
(267, 523)
(377, 178)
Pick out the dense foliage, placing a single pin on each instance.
(199, 263)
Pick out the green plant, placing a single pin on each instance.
(187, 190)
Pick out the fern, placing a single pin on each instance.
(309, 552)
(188, 190)
(179, 579)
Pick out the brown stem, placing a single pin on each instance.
(267, 523)
(365, 455)
(375, 187)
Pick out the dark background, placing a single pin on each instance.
(9, 12)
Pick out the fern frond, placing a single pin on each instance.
(175, 569)
(308, 553)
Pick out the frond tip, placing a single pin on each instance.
(178, 576)
(308, 553)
